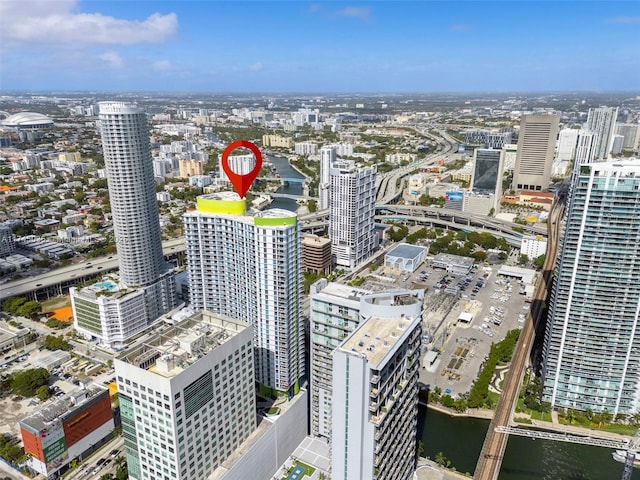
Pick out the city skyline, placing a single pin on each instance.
(307, 46)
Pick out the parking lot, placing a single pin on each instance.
(488, 305)
(484, 311)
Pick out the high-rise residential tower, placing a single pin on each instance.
(187, 397)
(567, 141)
(114, 311)
(592, 338)
(132, 192)
(631, 134)
(536, 145)
(585, 147)
(352, 203)
(336, 311)
(602, 122)
(375, 401)
(249, 268)
(327, 157)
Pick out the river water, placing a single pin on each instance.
(460, 440)
(294, 188)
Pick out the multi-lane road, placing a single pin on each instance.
(387, 183)
(73, 273)
(495, 443)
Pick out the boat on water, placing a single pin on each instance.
(621, 456)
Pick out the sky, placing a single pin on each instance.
(300, 46)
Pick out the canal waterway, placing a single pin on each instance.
(294, 188)
(460, 440)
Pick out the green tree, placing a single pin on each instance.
(11, 452)
(43, 392)
(51, 342)
(29, 309)
(312, 205)
(27, 382)
(523, 259)
(12, 304)
(539, 261)
(94, 227)
(122, 472)
(420, 449)
(479, 255)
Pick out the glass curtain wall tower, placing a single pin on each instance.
(592, 339)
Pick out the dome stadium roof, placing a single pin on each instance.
(28, 120)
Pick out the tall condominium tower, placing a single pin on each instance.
(336, 311)
(327, 157)
(249, 267)
(585, 147)
(602, 122)
(375, 401)
(114, 311)
(352, 203)
(240, 164)
(631, 134)
(592, 338)
(187, 397)
(567, 141)
(132, 192)
(536, 144)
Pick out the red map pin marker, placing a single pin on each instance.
(241, 183)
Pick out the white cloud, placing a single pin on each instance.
(56, 21)
(162, 65)
(112, 58)
(256, 67)
(362, 13)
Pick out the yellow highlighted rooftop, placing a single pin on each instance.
(222, 202)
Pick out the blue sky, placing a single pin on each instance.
(299, 46)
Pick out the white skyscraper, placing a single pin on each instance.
(592, 339)
(249, 267)
(585, 147)
(113, 311)
(352, 203)
(631, 134)
(327, 157)
(337, 310)
(187, 397)
(132, 192)
(567, 141)
(240, 164)
(375, 401)
(602, 122)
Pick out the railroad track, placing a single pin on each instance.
(495, 443)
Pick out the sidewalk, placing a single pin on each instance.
(430, 470)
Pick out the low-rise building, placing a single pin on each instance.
(406, 257)
(68, 428)
(316, 254)
(533, 247)
(277, 141)
(454, 264)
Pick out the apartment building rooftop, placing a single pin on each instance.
(376, 337)
(173, 348)
(59, 407)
